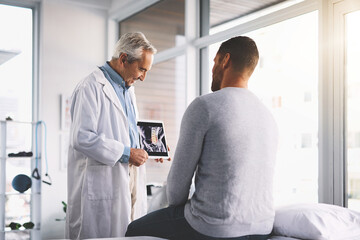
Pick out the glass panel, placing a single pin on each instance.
(17, 209)
(353, 110)
(18, 137)
(162, 24)
(225, 14)
(18, 235)
(16, 63)
(162, 96)
(286, 80)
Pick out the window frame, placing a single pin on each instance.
(331, 157)
(334, 98)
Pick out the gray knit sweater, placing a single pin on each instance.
(229, 139)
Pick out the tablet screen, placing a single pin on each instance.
(152, 138)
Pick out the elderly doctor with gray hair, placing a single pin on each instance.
(106, 176)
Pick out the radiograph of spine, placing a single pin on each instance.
(152, 138)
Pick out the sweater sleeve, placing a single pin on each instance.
(188, 152)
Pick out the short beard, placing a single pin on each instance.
(215, 85)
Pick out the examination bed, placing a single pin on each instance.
(313, 221)
(307, 221)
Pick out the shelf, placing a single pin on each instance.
(22, 152)
(15, 158)
(20, 122)
(19, 137)
(22, 229)
(17, 193)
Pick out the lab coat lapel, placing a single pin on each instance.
(108, 90)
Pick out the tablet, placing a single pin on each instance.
(152, 138)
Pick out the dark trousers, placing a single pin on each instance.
(170, 223)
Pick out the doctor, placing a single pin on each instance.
(106, 176)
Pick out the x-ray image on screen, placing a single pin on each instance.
(152, 138)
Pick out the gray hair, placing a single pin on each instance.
(133, 44)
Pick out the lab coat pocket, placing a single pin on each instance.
(99, 183)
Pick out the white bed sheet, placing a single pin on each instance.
(123, 238)
(132, 238)
(155, 238)
(282, 238)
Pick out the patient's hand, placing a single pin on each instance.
(161, 159)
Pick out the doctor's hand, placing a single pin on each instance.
(138, 156)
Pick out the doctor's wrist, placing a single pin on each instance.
(126, 155)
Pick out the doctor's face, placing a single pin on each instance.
(137, 70)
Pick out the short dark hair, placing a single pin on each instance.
(243, 53)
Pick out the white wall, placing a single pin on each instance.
(73, 41)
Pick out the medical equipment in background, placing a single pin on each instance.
(35, 173)
(21, 183)
(64, 209)
(21, 154)
(17, 226)
(157, 197)
(33, 197)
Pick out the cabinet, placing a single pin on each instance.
(19, 207)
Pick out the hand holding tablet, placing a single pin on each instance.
(161, 159)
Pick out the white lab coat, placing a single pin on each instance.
(99, 201)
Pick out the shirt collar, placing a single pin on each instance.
(115, 76)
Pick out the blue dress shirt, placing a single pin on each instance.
(122, 91)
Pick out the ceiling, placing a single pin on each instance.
(222, 11)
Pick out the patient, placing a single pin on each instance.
(228, 139)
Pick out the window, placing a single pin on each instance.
(287, 81)
(16, 63)
(162, 96)
(16, 98)
(225, 14)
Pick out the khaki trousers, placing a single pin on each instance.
(132, 185)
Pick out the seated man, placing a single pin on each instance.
(228, 139)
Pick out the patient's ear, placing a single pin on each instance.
(226, 61)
